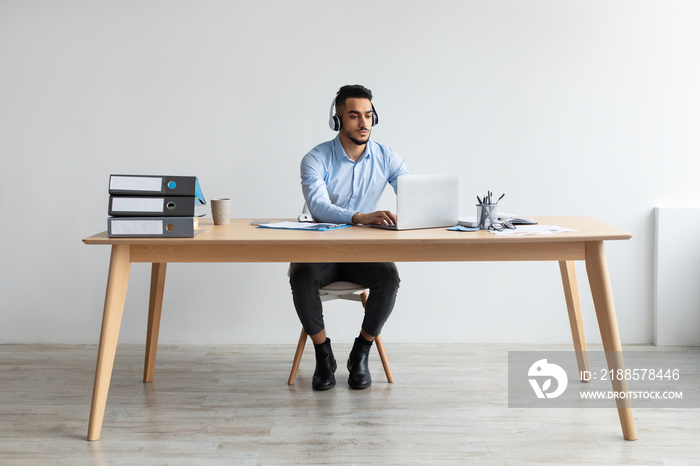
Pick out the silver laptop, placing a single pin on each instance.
(426, 201)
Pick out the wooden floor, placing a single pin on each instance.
(231, 405)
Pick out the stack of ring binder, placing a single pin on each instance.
(154, 206)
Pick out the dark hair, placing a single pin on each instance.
(352, 91)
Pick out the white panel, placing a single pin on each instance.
(137, 204)
(136, 183)
(677, 277)
(137, 227)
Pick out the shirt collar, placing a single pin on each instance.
(340, 152)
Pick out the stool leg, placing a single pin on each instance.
(385, 361)
(297, 357)
(364, 296)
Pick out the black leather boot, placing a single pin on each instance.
(324, 378)
(358, 364)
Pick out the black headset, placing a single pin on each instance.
(335, 123)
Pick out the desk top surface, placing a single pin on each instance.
(242, 231)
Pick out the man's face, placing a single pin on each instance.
(357, 120)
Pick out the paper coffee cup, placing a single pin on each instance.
(221, 211)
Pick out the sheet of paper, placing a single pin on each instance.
(303, 226)
(524, 230)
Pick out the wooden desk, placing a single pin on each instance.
(241, 242)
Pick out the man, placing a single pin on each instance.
(342, 181)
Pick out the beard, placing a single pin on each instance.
(357, 141)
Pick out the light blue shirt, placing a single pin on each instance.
(336, 188)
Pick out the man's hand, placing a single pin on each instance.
(380, 217)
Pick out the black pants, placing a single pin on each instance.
(306, 280)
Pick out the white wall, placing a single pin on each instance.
(569, 107)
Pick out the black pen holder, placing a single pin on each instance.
(486, 215)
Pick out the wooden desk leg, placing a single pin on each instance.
(155, 306)
(599, 279)
(573, 305)
(117, 283)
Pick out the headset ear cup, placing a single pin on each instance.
(334, 121)
(337, 123)
(375, 116)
